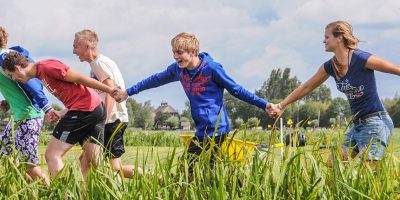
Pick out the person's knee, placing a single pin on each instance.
(33, 171)
(139, 171)
(92, 155)
(49, 156)
(89, 157)
(82, 158)
(116, 166)
(30, 171)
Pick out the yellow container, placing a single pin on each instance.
(186, 138)
(238, 149)
(76, 148)
(235, 149)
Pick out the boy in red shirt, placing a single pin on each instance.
(84, 117)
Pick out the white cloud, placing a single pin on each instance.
(248, 38)
(273, 58)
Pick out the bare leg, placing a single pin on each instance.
(128, 170)
(343, 156)
(37, 172)
(54, 153)
(83, 161)
(91, 154)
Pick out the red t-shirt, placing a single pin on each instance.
(74, 96)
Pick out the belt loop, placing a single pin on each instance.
(381, 114)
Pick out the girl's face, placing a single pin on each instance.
(331, 42)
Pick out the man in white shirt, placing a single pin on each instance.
(106, 71)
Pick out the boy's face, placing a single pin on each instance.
(81, 49)
(183, 57)
(17, 75)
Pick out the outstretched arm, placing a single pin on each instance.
(223, 80)
(167, 76)
(382, 65)
(75, 77)
(305, 88)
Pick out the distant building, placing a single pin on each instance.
(185, 126)
(164, 111)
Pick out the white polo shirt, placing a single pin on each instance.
(101, 69)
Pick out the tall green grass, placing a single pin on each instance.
(301, 174)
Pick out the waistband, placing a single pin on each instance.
(374, 114)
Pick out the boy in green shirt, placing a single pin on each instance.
(27, 134)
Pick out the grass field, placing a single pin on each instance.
(141, 153)
(301, 174)
(149, 154)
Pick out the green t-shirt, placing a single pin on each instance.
(16, 98)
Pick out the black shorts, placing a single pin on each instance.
(114, 148)
(79, 126)
(200, 144)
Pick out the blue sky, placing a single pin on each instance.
(250, 38)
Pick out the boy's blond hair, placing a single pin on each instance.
(186, 41)
(88, 36)
(3, 37)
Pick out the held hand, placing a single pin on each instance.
(278, 109)
(52, 116)
(273, 110)
(4, 106)
(119, 94)
(61, 113)
(270, 109)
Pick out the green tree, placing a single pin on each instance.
(279, 85)
(160, 119)
(393, 107)
(143, 116)
(338, 108)
(184, 119)
(132, 107)
(172, 122)
(308, 111)
(321, 93)
(238, 122)
(237, 108)
(253, 121)
(274, 89)
(187, 113)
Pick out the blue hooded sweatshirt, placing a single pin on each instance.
(33, 89)
(205, 89)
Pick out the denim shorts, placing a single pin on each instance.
(375, 131)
